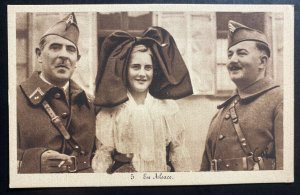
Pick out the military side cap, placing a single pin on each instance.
(66, 28)
(238, 32)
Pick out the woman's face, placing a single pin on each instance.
(140, 72)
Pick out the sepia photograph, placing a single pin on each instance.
(150, 95)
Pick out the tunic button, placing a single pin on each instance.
(57, 95)
(227, 116)
(227, 165)
(235, 101)
(221, 137)
(64, 115)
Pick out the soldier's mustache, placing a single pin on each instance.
(234, 66)
(63, 63)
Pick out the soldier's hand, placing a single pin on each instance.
(54, 162)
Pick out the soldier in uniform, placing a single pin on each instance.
(247, 131)
(55, 118)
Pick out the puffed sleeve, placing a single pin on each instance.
(179, 154)
(278, 129)
(102, 160)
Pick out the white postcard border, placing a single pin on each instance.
(138, 179)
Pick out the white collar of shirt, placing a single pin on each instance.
(65, 87)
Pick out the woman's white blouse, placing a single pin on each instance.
(144, 131)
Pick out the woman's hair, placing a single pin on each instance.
(144, 49)
(141, 48)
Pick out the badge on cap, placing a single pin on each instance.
(70, 20)
(66, 28)
(233, 26)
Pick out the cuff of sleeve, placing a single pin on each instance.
(31, 160)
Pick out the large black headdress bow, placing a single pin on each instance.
(171, 81)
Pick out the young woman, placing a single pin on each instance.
(138, 127)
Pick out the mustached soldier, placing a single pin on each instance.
(247, 132)
(56, 122)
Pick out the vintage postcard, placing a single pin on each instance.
(150, 95)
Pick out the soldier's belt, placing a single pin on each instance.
(243, 163)
(79, 163)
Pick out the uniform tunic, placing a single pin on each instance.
(36, 133)
(259, 110)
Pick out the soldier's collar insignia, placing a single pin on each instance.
(37, 92)
(35, 89)
(36, 95)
